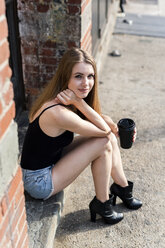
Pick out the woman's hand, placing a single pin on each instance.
(113, 126)
(135, 134)
(67, 97)
(114, 129)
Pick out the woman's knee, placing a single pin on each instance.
(102, 143)
(106, 144)
(113, 139)
(109, 142)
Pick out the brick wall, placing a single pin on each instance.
(47, 30)
(13, 226)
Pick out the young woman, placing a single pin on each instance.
(52, 158)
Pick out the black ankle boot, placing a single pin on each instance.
(104, 210)
(125, 194)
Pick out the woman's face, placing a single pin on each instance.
(82, 79)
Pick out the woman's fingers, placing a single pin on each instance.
(135, 134)
(65, 96)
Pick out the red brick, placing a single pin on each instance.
(2, 7)
(32, 78)
(39, 1)
(4, 205)
(88, 32)
(1, 108)
(6, 73)
(15, 237)
(30, 50)
(4, 243)
(18, 194)
(11, 208)
(47, 52)
(84, 5)
(43, 81)
(14, 184)
(6, 120)
(25, 243)
(9, 236)
(46, 77)
(32, 91)
(29, 42)
(48, 61)
(31, 68)
(50, 69)
(22, 237)
(8, 96)
(71, 44)
(1, 216)
(4, 52)
(86, 42)
(4, 29)
(42, 8)
(17, 214)
(74, 1)
(22, 221)
(4, 226)
(73, 9)
(48, 43)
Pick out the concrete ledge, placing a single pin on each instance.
(43, 218)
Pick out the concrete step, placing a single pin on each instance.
(43, 218)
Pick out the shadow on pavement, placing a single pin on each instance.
(77, 221)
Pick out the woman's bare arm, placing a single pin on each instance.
(68, 97)
(67, 120)
(95, 121)
(113, 126)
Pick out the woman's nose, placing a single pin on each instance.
(85, 81)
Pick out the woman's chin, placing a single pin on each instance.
(82, 95)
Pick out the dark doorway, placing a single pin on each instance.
(15, 56)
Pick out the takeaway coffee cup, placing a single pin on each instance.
(126, 131)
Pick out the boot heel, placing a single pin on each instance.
(114, 200)
(125, 194)
(93, 216)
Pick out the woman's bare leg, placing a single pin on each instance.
(101, 171)
(75, 161)
(117, 171)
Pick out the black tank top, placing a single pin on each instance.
(39, 149)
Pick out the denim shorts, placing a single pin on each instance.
(38, 183)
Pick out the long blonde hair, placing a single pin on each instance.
(61, 78)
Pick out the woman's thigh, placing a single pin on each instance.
(75, 159)
(78, 140)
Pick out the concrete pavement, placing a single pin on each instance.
(132, 85)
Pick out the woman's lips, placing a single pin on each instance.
(83, 90)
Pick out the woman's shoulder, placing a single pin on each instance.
(50, 108)
(60, 115)
(55, 109)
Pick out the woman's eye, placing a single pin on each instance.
(91, 76)
(78, 76)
